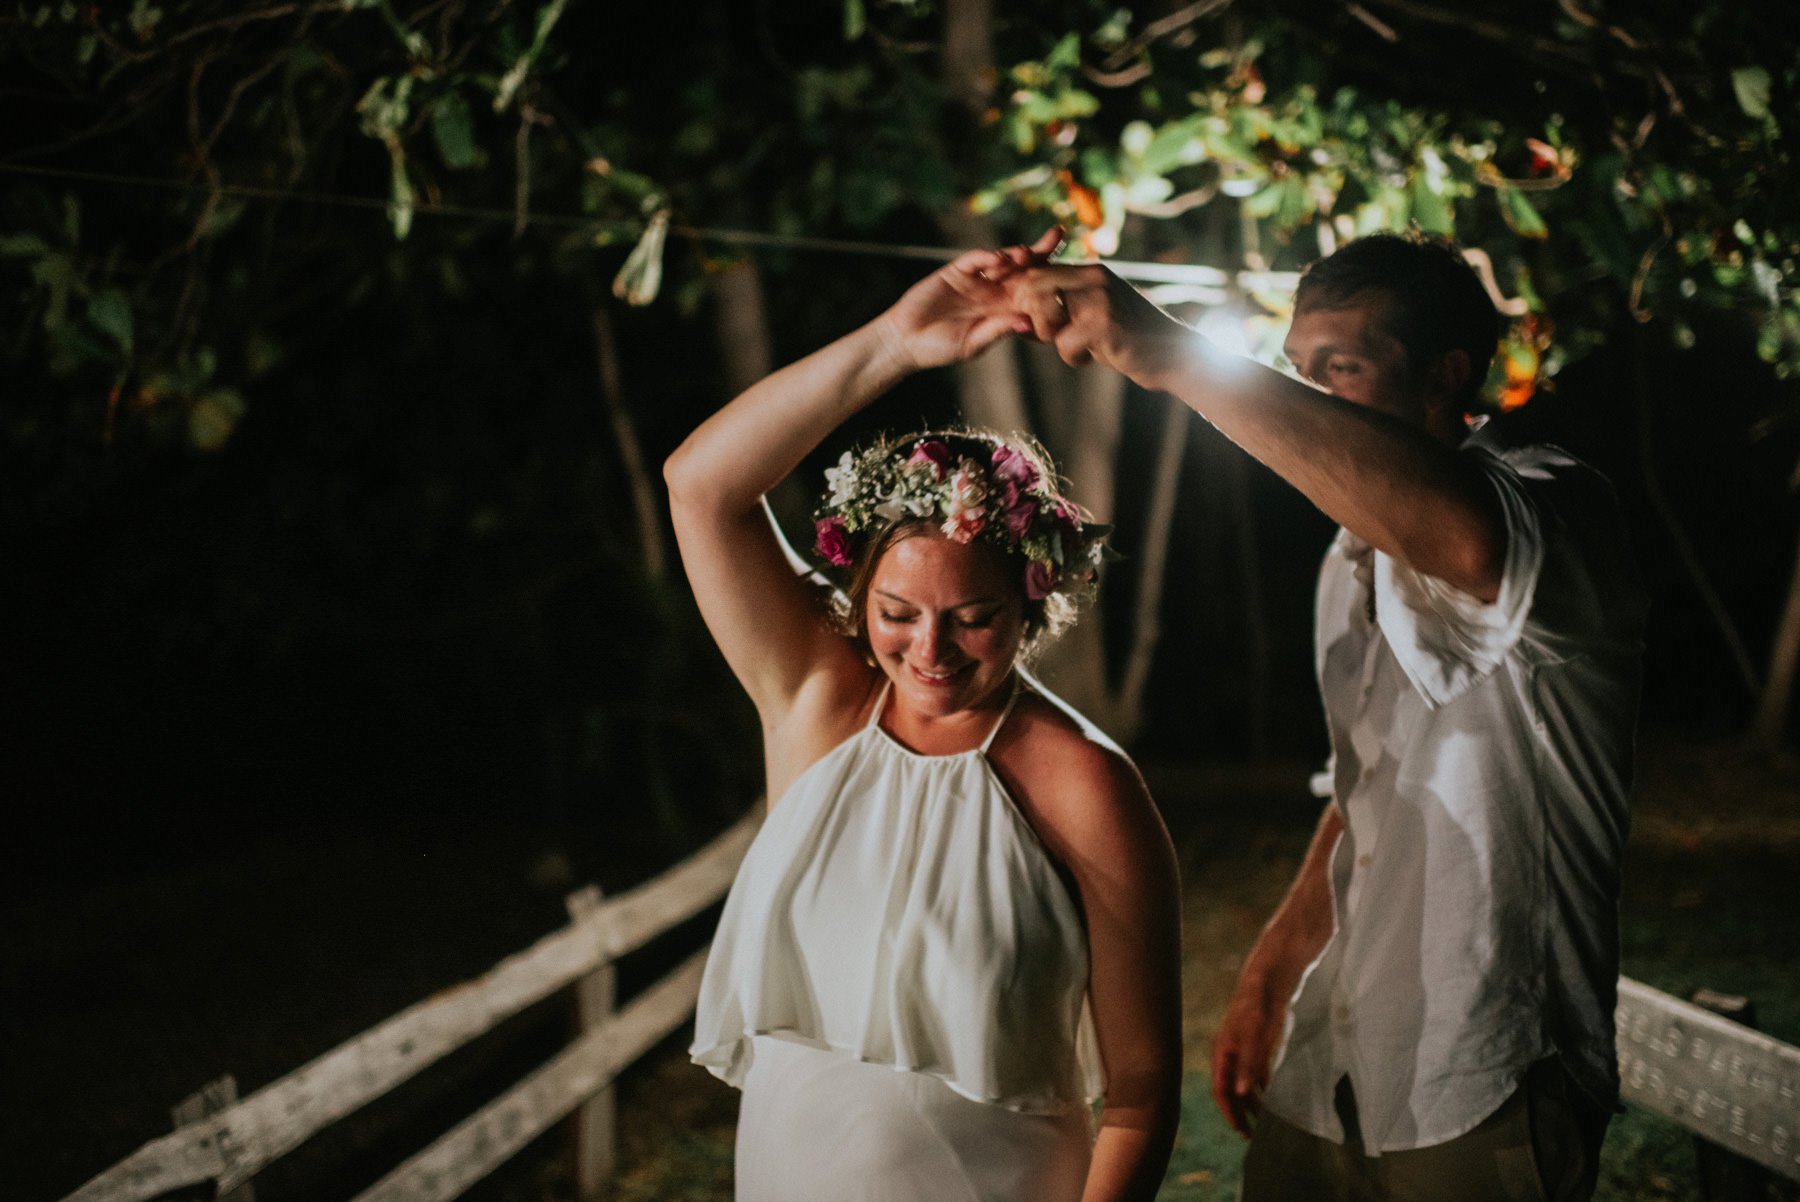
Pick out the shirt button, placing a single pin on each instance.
(1365, 859)
(1343, 1014)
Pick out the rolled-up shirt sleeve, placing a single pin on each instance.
(1445, 639)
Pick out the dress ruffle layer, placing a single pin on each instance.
(898, 909)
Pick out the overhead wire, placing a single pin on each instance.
(1195, 281)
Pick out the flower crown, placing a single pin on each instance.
(1008, 500)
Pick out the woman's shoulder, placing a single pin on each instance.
(1074, 781)
(830, 706)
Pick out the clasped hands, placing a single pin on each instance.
(1083, 310)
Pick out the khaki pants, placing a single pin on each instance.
(1542, 1145)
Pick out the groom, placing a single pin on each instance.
(1429, 1012)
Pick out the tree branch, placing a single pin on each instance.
(1160, 28)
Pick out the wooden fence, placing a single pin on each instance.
(1735, 1088)
(227, 1147)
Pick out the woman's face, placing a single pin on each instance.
(945, 622)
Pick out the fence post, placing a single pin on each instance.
(594, 1121)
(208, 1100)
(1724, 1175)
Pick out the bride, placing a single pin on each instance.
(957, 932)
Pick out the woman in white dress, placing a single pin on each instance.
(958, 929)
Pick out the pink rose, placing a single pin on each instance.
(1014, 467)
(1040, 579)
(832, 541)
(1017, 510)
(965, 509)
(965, 525)
(934, 453)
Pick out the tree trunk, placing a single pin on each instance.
(1775, 704)
(646, 502)
(989, 386)
(1153, 563)
(742, 322)
(1256, 626)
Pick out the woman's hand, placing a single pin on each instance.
(1090, 315)
(963, 308)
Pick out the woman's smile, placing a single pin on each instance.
(945, 623)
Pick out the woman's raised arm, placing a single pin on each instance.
(764, 619)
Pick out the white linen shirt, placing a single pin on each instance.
(1481, 759)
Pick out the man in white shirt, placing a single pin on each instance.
(1436, 991)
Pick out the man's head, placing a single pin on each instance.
(1399, 323)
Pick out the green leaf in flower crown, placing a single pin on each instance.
(641, 278)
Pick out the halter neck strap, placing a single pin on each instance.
(887, 686)
(1018, 687)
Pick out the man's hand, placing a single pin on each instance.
(1243, 1048)
(1090, 315)
(1257, 1012)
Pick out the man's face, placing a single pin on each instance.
(1349, 352)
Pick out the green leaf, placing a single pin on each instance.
(111, 312)
(641, 278)
(1429, 207)
(453, 129)
(400, 194)
(144, 18)
(856, 20)
(1177, 144)
(222, 217)
(1067, 55)
(214, 417)
(1521, 215)
(547, 17)
(22, 246)
(1296, 203)
(1752, 86)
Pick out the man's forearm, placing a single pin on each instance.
(1302, 924)
(1390, 483)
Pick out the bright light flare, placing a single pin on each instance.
(1221, 331)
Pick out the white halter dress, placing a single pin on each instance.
(899, 986)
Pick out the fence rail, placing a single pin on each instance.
(231, 1146)
(1732, 1086)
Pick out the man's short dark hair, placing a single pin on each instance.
(1439, 303)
